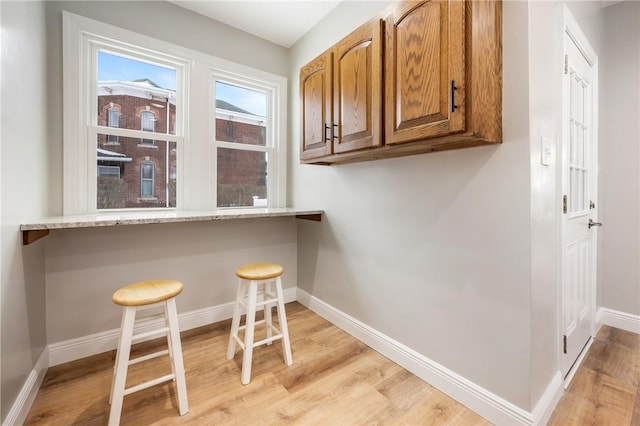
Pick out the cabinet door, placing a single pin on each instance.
(425, 57)
(316, 98)
(358, 89)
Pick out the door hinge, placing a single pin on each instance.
(564, 204)
(564, 343)
(566, 64)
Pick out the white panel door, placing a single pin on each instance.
(578, 173)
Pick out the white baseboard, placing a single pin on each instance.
(547, 403)
(490, 406)
(21, 406)
(617, 319)
(82, 347)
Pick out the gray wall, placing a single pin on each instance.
(620, 159)
(83, 267)
(162, 20)
(24, 193)
(432, 250)
(448, 253)
(546, 56)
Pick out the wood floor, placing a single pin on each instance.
(606, 387)
(335, 380)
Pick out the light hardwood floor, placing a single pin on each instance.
(606, 387)
(335, 380)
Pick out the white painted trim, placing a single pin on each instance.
(196, 166)
(21, 406)
(490, 406)
(621, 320)
(544, 408)
(73, 349)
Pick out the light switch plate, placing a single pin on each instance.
(545, 151)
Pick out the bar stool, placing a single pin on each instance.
(252, 276)
(139, 296)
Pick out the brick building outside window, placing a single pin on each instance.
(142, 173)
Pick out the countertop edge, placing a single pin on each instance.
(91, 221)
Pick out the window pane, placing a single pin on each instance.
(242, 178)
(144, 94)
(133, 176)
(240, 114)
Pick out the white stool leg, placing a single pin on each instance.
(248, 332)
(122, 364)
(235, 322)
(282, 317)
(176, 351)
(267, 310)
(169, 344)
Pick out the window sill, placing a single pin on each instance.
(147, 145)
(33, 231)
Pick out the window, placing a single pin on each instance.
(147, 179)
(190, 166)
(147, 124)
(109, 171)
(243, 148)
(112, 121)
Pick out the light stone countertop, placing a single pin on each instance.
(34, 230)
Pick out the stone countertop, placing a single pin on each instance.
(34, 230)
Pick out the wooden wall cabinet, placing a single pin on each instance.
(441, 68)
(341, 96)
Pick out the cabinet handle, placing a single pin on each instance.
(453, 96)
(326, 138)
(334, 132)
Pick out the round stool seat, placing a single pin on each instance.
(259, 271)
(147, 292)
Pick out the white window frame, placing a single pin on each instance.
(196, 154)
(276, 158)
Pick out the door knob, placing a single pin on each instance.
(592, 223)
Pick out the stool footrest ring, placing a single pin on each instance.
(150, 333)
(148, 357)
(148, 384)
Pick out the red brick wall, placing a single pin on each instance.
(241, 174)
(130, 109)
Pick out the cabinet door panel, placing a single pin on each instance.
(316, 107)
(424, 54)
(358, 89)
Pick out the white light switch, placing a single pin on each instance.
(545, 151)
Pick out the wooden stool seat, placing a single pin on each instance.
(251, 277)
(139, 296)
(259, 271)
(147, 292)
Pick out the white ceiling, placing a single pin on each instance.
(282, 22)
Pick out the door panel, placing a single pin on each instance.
(578, 259)
(316, 114)
(358, 89)
(424, 55)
